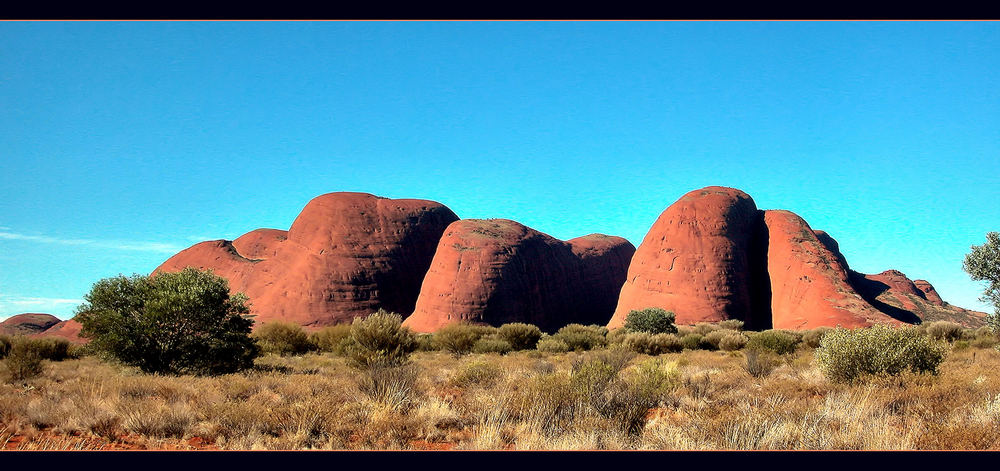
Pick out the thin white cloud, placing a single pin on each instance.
(158, 247)
(11, 305)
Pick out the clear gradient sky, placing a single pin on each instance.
(123, 143)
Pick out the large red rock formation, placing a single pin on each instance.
(498, 271)
(346, 255)
(27, 323)
(702, 259)
(809, 285)
(930, 294)
(69, 330)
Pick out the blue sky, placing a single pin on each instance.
(122, 143)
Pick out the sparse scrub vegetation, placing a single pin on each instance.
(944, 330)
(552, 345)
(520, 336)
(333, 339)
(733, 341)
(458, 338)
(848, 355)
(582, 337)
(777, 341)
(380, 341)
(283, 338)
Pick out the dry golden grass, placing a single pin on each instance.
(520, 401)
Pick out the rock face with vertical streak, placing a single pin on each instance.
(810, 286)
(346, 255)
(499, 271)
(698, 260)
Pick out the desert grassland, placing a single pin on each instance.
(520, 401)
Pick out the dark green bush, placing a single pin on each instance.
(520, 336)
(283, 338)
(332, 339)
(582, 337)
(777, 341)
(380, 341)
(847, 355)
(457, 338)
(944, 330)
(491, 344)
(551, 344)
(183, 322)
(813, 337)
(652, 319)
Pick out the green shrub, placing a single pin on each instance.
(583, 337)
(714, 338)
(184, 322)
(332, 339)
(379, 340)
(983, 342)
(283, 338)
(703, 328)
(731, 324)
(520, 336)
(591, 374)
(847, 355)
(960, 345)
(944, 330)
(457, 338)
(777, 341)
(24, 361)
(552, 345)
(47, 348)
(813, 337)
(627, 400)
(650, 344)
(479, 373)
(652, 319)
(425, 343)
(617, 336)
(492, 344)
(733, 341)
(691, 341)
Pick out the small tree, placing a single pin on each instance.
(652, 319)
(983, 264)
(184, 322)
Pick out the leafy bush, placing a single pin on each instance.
(520, 336)
(582, 337)
(184, 322)
(492, 344)
(283, 338)
(380, 341)
(480, 373)
(733, 341)
(332, 339)
(944, 330)
(847, 355)
(777, 341)
(760, 363)
(650, 344)
(552, 345)
(731, 324)
(652, 319)
(691, 341)
(24, 361)
(813, 337)
(457, 338)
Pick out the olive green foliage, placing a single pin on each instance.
(583, 337)
(944, 330)
(380, 341)
(714, 338)
(425, 343)
(457, 338)
(777, 341)
(652, 344)
(520, 336)
(704, 328)
(652, 319)
(283, 338)
(846, 355)
(491, 344)
(24, 361)
(813, 337)
(617, 336)
(983, 264)
(731, 324)
(691, 341)
(599, 380)
(333, 339)
(184, 322)
(550, 344)
(732, 341)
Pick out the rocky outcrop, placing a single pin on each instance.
(703, 259)
(346, 255)
(69, 330)
(27, 323)
(499, 271)
(892, 292)
(930, 294)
